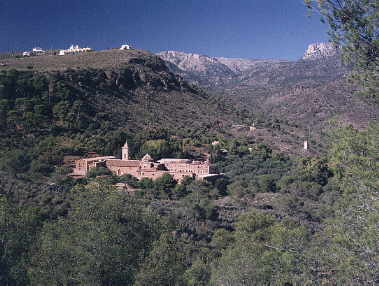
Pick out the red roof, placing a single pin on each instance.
(123, 163)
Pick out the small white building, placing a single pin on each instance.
(74, 49)
(38, 51)
(34, 52)
(125, 47)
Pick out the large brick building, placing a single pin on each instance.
(146, 167)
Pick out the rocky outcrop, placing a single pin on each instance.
(211, 71)
(221, 73)
(198, 69)
(320, 50)
(239, 66)
(196, 63)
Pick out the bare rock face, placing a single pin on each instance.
(195, 63)
(212, 71)
(195, 68)
(320, 50)
(239, 66)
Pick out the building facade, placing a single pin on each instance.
(83, 166)
(146, 167)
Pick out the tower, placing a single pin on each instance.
(125, 151)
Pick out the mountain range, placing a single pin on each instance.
(279, 102)
(221, 72)
(307, 95)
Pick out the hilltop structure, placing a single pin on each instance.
(125, 47)
(72, 50)
(34, 52)
(146, 167)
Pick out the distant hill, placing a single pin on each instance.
(208, 71)
(321, 64)
(308, 95)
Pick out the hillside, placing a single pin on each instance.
(106, 59)
(88, 102)
(305, 97)
(50, 111)
(211, 72)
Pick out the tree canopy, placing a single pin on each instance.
(354, 26)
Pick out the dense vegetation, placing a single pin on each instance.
(354, 27)
(274, 220)
(271, 220)
(45, 116)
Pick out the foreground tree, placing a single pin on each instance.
(165, 264)
(18, 229)
(101, 241)
(346, 252)
(265, 252)
(354, 25)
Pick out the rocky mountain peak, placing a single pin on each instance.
(193, 62)
(319, 50)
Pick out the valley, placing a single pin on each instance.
(305, 98)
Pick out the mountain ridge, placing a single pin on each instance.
(308, 93)
(222, 72)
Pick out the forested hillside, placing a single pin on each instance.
(278, 215)
(47, 115)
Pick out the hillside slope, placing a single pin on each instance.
(99, 94)
(211, 72)
(303, 96)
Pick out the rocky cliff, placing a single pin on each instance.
(212, 71)
(199, 69)
(320, 50)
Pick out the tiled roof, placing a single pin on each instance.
(169, 160)
(99, 158)
(123, 163)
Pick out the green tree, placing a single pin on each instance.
(19, 227)
(100, 242)
(16, 162)
(265, 252)
(354, 25)
(165, 264)
(347, 250)
(157, 148)
(198, 274)
(165, 185)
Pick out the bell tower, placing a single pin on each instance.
(125, 151)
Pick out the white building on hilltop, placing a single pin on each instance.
(125, 47)
(35, 52)
(74, 49)
(38, 51)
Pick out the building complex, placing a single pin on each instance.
(146, 167)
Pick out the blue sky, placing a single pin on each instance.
(229, 28)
